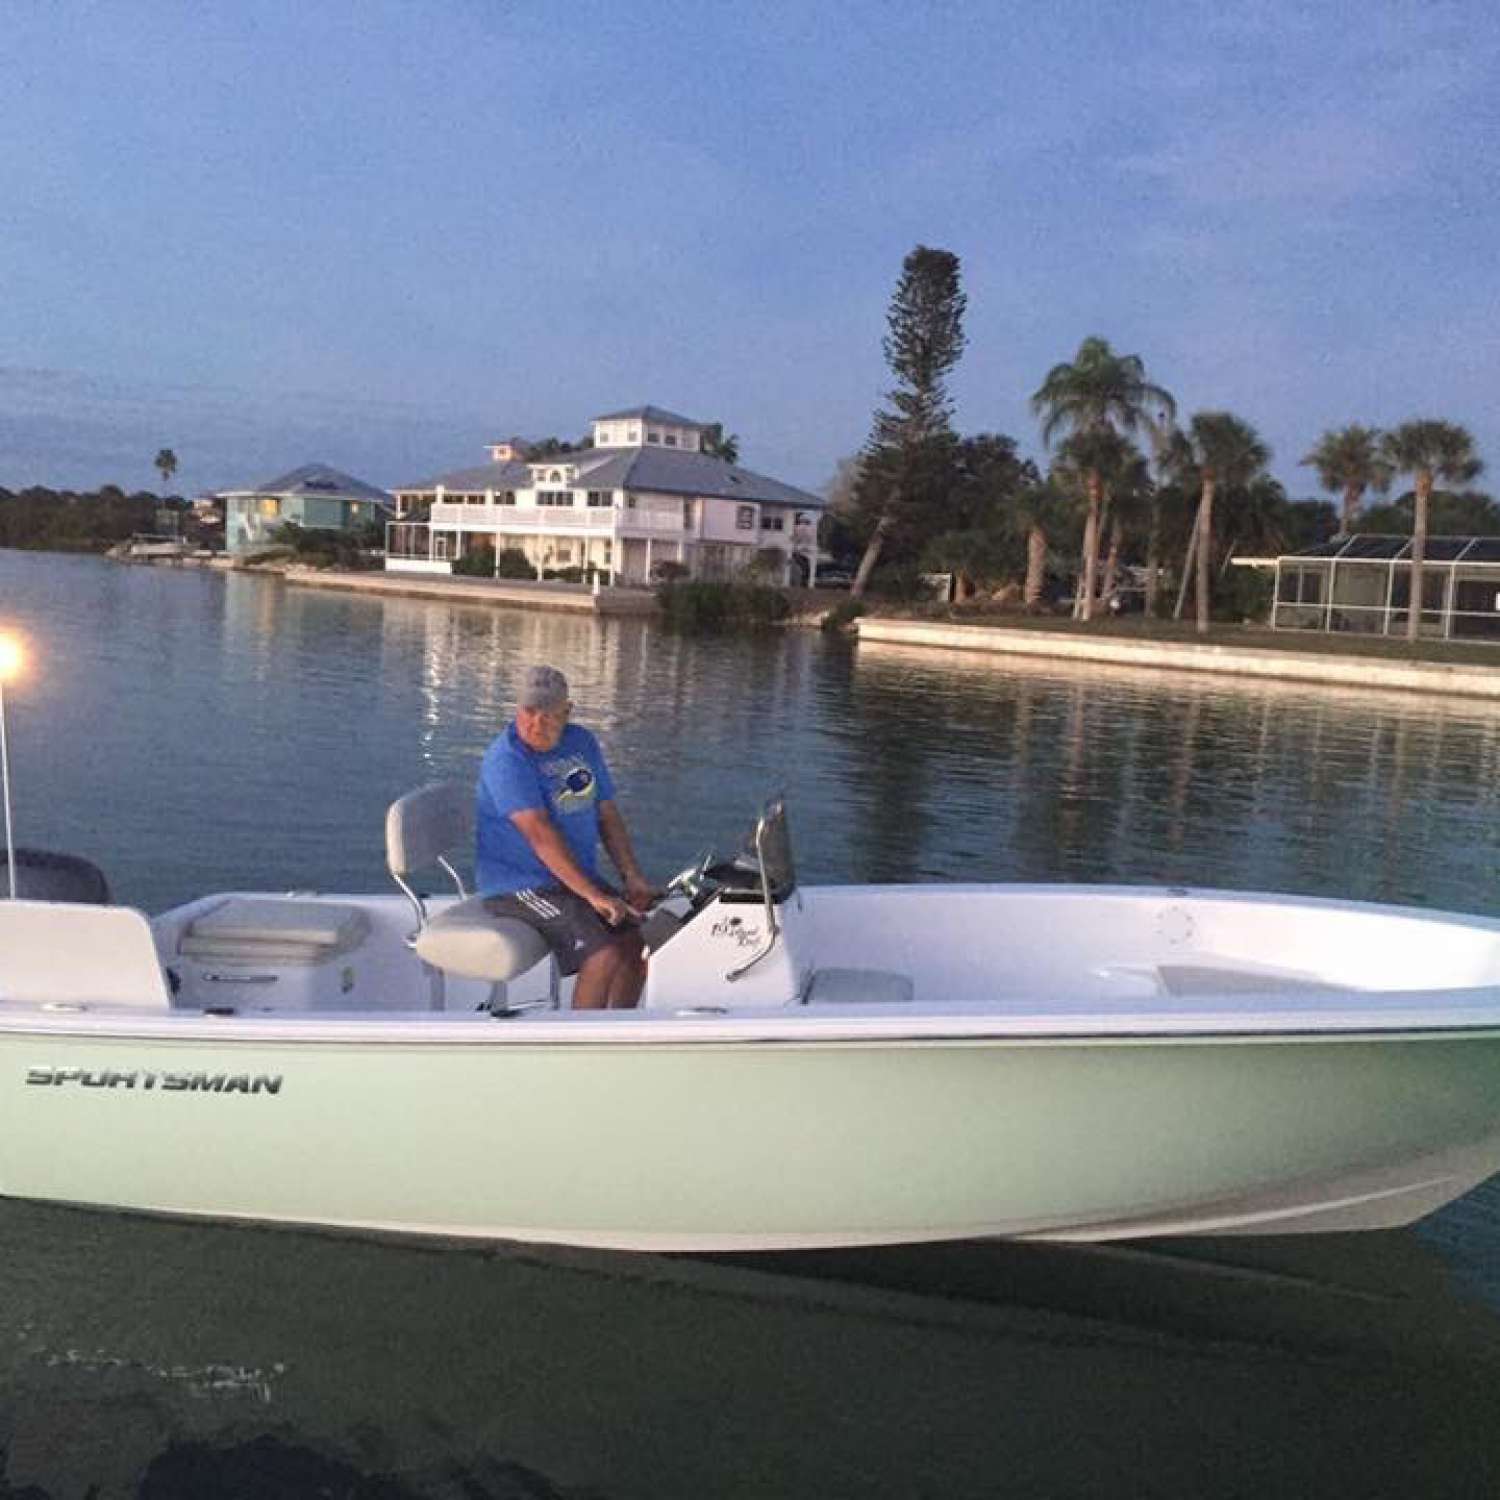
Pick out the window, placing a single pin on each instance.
(687, 515)
(608, 550)
(773, 523)
(744, 517)
(601, 499)
(505, 497)
(565, 552)
(630, 502)
(653, 437)
(554, 497)
(270, 507)
(671, 440)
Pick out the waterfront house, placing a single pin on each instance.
(317, 497)
(645, 494)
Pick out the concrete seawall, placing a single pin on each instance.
(1464, 679)
(575, 598)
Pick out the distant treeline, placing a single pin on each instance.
(64, 521)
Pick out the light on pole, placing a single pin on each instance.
(11, 659)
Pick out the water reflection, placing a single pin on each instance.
(190, 731)
(1119, 774)
(180, 1353)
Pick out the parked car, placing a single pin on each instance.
(834, 576)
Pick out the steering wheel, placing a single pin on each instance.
(692, 880)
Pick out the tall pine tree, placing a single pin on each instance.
(912, 436)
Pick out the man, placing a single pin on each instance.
(545, 800)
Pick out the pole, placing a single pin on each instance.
(10, 841)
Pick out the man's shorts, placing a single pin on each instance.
(573, 929)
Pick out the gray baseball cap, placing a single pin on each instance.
(542, 687)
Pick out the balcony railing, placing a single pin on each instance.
(557, 518)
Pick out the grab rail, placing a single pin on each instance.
(772, 928)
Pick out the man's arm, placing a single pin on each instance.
(549, 845)
(617, 841)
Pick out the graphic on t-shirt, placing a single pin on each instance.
(573, 784)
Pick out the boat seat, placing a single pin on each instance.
(274, 930)
(468, 941)
(859, 987)
(423, 830)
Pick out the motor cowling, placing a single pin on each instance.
(43, 875)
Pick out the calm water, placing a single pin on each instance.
(191, 732)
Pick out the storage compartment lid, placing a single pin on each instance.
(257, 925)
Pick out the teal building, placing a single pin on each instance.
(316, 497)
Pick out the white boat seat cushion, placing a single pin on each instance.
(468, 941)
(268, 929)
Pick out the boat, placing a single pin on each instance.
(810, 1066)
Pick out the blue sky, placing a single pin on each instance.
(381, 234)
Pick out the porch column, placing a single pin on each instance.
(648, 557)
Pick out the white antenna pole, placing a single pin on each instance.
(10, 839)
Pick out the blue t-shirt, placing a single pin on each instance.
(568, 781)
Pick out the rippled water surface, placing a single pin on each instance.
(189, 731)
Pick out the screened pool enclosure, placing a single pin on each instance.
(1362, 584)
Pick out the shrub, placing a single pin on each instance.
(843, 614)
(479, 563)
(669, 571)
(712, 606)
(323, 549)
(902, 582)
(514, 563)
(1244, 595)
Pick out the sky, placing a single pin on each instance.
(380, 235)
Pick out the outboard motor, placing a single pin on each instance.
(42, 875)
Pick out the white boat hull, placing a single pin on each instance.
(772, 1146)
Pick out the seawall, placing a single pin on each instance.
(575, 598)
(1464, 679)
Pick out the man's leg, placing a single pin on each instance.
(630, 977)
(596, 977)
(611, 977)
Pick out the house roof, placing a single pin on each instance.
(509, 476)
(674, 471)
(1387, 547)
(651, 414)
(668, 471)
(317, 480)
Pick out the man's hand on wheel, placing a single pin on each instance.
(614, 911)
(640, 893)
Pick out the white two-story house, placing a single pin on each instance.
(645, 494)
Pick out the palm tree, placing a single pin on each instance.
(166, 462)
(718, 445)
(1131, 495)
(1228, 453)
(1428, 450)
(1088, 464)
(1349, 461)
(1171, 456)
(1101, 394)
(1034, 511)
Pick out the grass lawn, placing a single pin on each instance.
(1140, 628)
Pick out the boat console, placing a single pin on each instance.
(739, 923)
